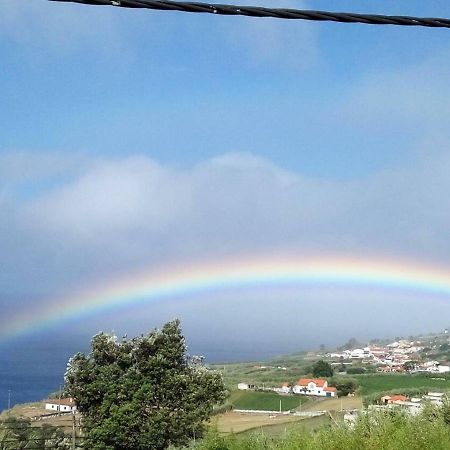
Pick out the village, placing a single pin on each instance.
(404, 374)
(398, 356)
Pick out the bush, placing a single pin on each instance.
(356, 370)
(322, 369)
(344, 386)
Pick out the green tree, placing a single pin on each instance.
(322, 369)
(410, 365)
(18, 434)
(344, 386)
(142, 393)
(356, 370)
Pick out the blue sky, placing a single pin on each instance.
(134, 138)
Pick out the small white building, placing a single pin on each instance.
(360, 353)
(245, 386)
(314, 386)
(284, 389)
(61, 405)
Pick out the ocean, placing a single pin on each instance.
(31, 368)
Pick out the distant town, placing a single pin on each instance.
(405, 373)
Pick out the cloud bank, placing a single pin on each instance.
(109, 216)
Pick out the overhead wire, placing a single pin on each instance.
(265, 12)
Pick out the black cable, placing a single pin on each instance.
(279, 13)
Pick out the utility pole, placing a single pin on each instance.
(280, 405)
(9, 398)
(59, 401)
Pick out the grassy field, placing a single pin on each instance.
(276, 429)
(232, 422)
(379, 383)
(334, 404)
(272, 373)
(266, 401)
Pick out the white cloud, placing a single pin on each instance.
(126, 195)
(122, 213)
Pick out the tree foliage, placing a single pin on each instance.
(17, 433)
(322, 369)
(141, 393)
(344, 386)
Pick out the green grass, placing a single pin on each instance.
(379, 383)
(280, 429)
(251, 373)
(266, 401)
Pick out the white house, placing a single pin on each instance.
(359, 353)
(245, 386)
(314, 386)
(61, 405)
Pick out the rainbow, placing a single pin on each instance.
(180, 281)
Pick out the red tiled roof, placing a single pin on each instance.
(330, 389)
(63, 401)
(396, 398)
(318, 382)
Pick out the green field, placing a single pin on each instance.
(267, 401)
(302, 425)
(270, 377)
(379, 383)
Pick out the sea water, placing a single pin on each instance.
(33, 367)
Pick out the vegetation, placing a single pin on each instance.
(269, 374)
(344, 385)
(322, 369)
(142, 393)
(266, 401)
(356, 370)
(380, 383)
(18, 434)
(375, 431)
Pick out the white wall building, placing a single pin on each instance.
(61, 405)
(284, 389)
(314, 386)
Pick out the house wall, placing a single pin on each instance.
(63, 408)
